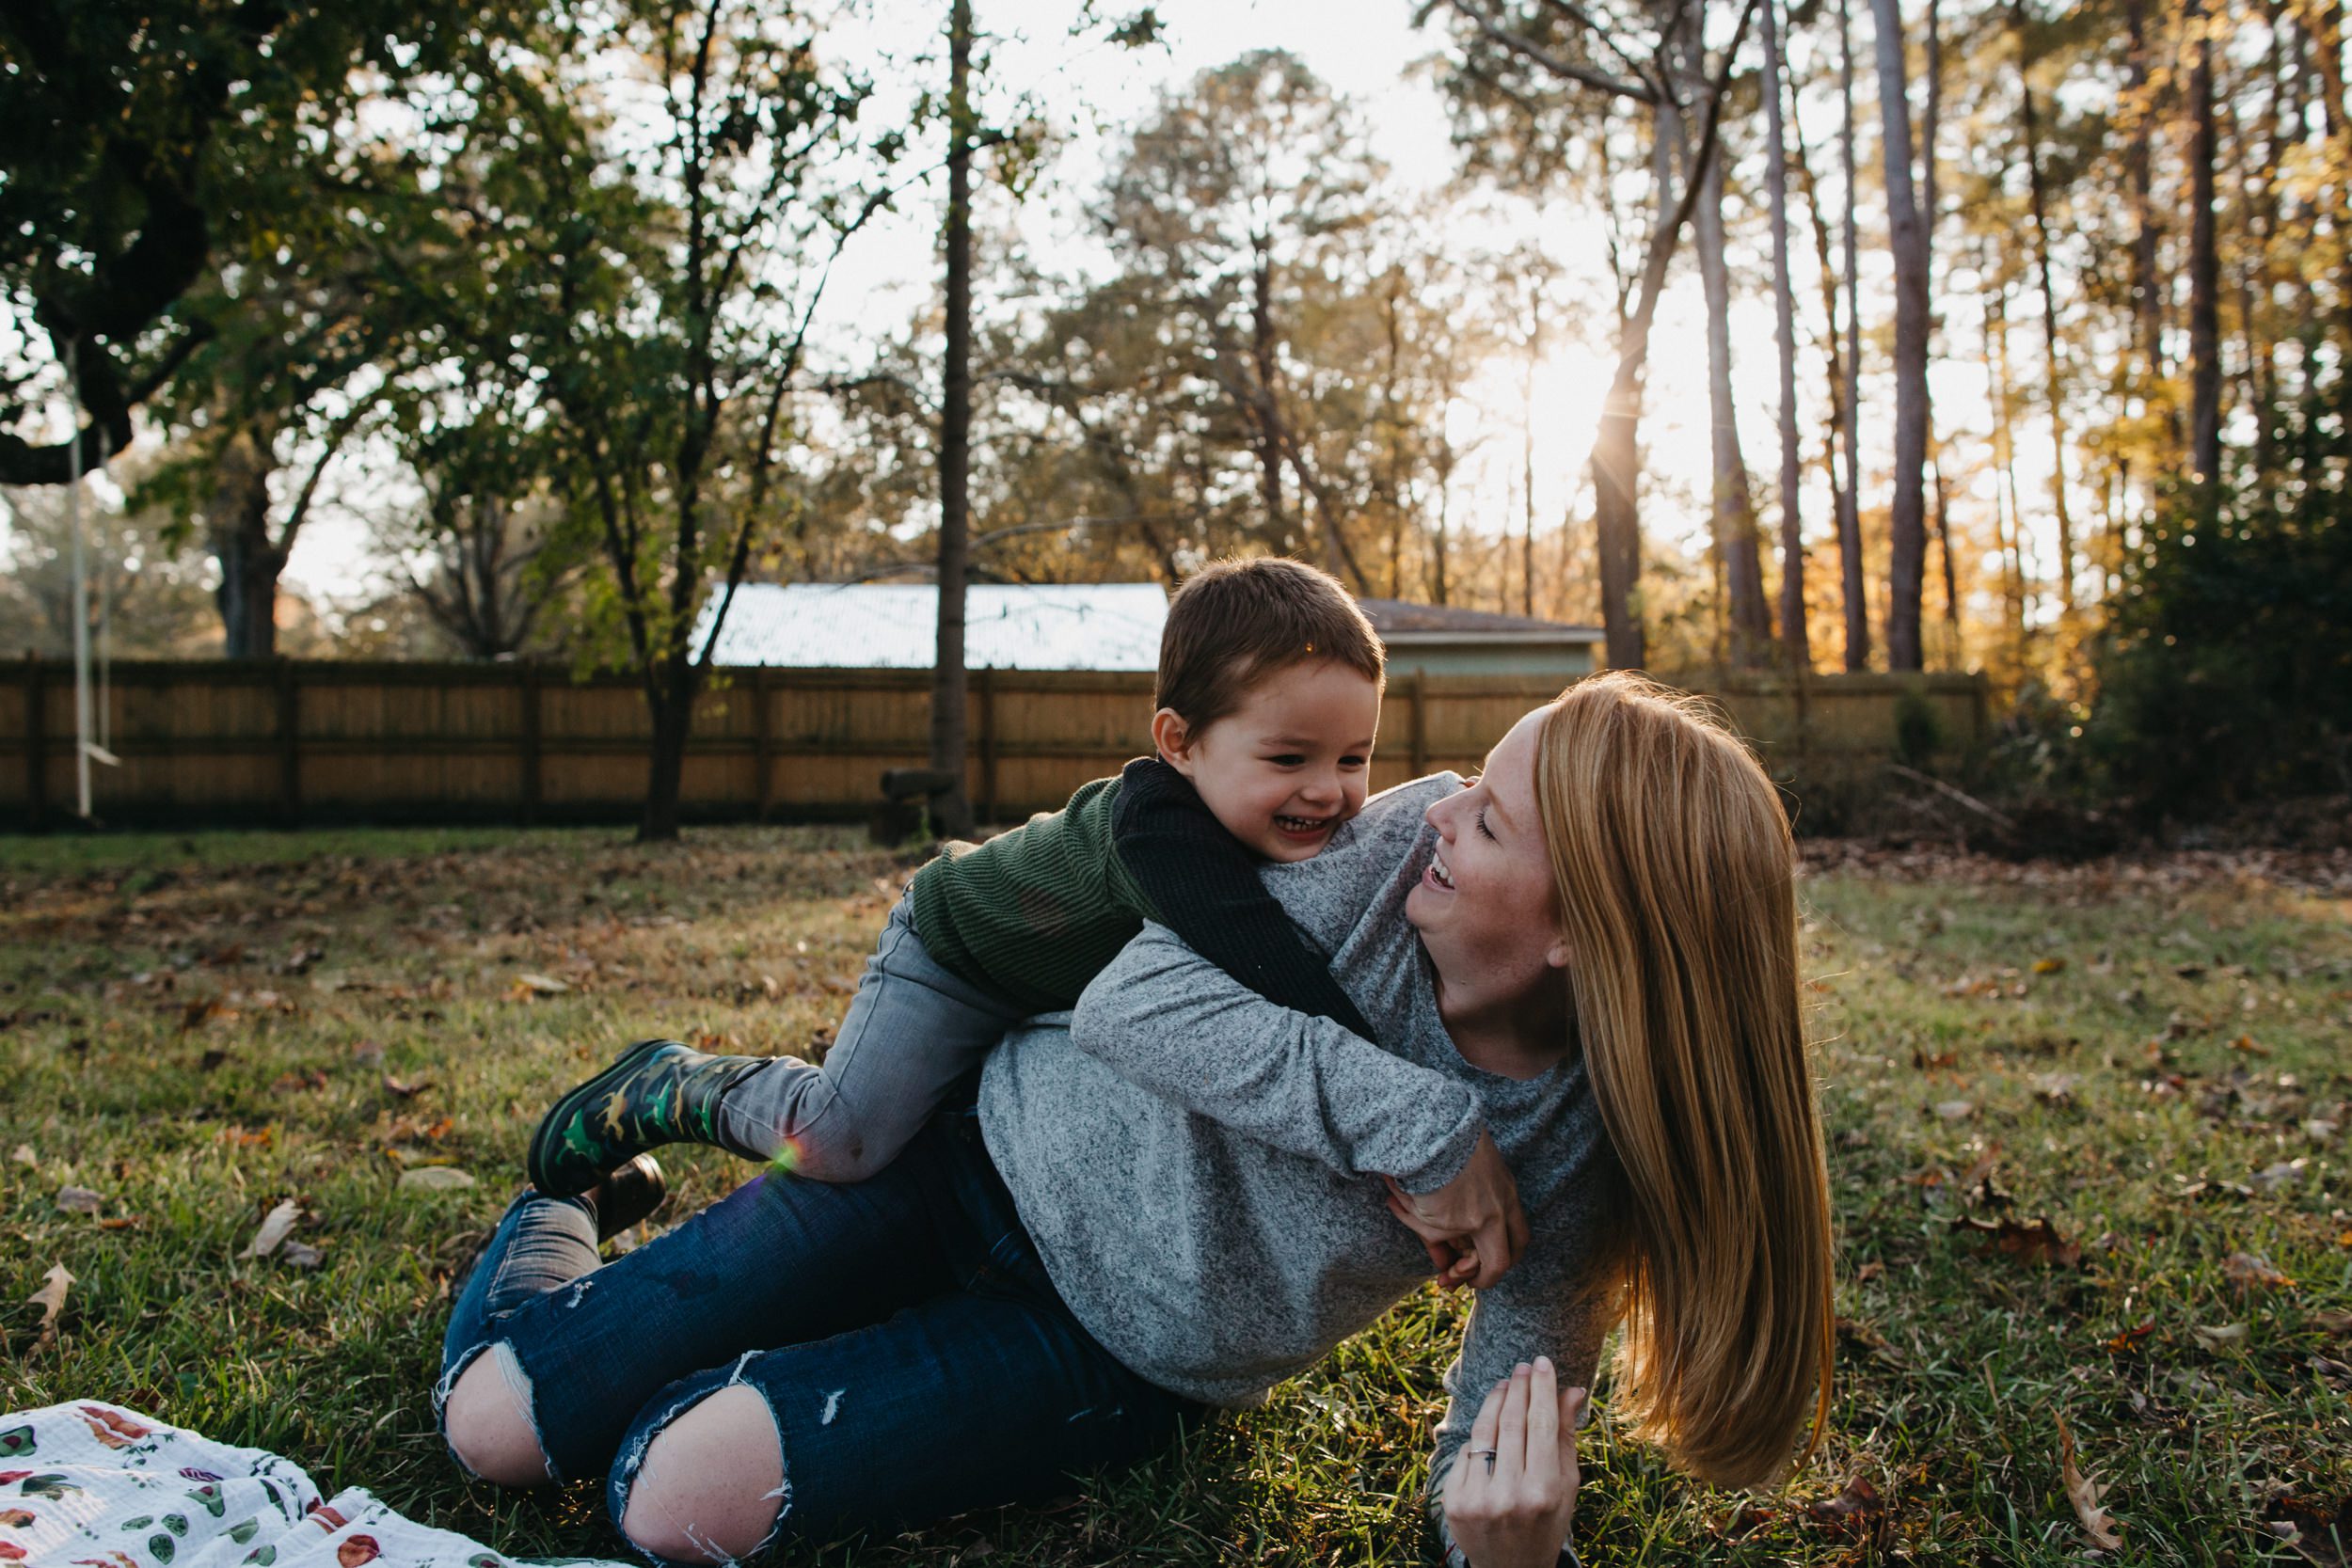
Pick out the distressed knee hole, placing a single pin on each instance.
(711, 1485)
(489, 1424)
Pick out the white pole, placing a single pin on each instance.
(81, 582)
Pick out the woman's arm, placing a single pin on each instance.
(1511, 1496)
(1202, 883)
(1546, 1310)
(1168, 1020)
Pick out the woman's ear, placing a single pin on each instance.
(1172, 738)
(1556, 955)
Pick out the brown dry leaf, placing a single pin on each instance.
(406, 1089)
(2084, 1494)
(78, 1200)
(300, 1254)
(1859, 1497)
(2252, 1270)
(1942, 1061)
(2337, 1323)
(1861, 1336)
(294, 1082)
(1955, 1110)
(2246, 1045)
(2219, 1339)
(275, 1227)
(50, 1298)
(2035, 1240)
(23, 1154)
(2129, 1341)
(529, 985)
(1868, 1272)
(435, 1179)
(2048, 966)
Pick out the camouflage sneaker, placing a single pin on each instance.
(657, 1092)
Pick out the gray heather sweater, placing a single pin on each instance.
(1200, 1167)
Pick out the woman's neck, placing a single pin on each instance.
(1523, 1036)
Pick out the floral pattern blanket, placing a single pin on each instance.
(94, 1485)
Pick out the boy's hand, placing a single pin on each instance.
(1473, 1225)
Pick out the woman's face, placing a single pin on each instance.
(1485, 907)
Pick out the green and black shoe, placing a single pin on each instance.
(657, 1092)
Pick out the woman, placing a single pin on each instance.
(1582, 965)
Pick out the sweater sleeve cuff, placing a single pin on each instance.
(1448, 1156)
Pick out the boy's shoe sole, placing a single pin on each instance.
(631, 1194)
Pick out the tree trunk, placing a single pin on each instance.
(2147, 297)
(671, 694)
(2205, 274)
(1796, 646)
(1263, 417)
(2038, 205)
(1732, 513)
(1907, 504)
(1853, 586)
(1616, 515)
(236, 524)
(951, 812)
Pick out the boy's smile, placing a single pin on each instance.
(1287, 766)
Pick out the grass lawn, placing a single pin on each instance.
(2151, 1059)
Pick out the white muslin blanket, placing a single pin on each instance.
(94, 1485)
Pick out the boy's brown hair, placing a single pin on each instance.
(1234, 621)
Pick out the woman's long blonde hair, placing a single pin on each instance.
(1675, 872)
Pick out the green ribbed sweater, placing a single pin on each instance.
(1035, 913)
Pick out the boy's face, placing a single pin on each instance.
(1288, 766)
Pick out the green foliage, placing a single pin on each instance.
(2225, 675)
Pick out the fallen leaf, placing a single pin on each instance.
(2056, 1088)
(1859, 1496)
(1955, 1110)
(406, 1089)
(2048, 966)
(1940, 1062)
(2254, 1271)
(300, 1254)
(1862, 1337)
(275, 1227)
(2084, 1494)
(2320, 1129)
(2129, 1341)
(50, 1298)
(2337, 1323)
(435, 1179)
(2035, 1240)
(23, 1154)
(2219, 1339)
(1868, 1272)
(2271, 1177)
(78, 1200)
(529, 985)
(2246, 1045)
(291, 1082)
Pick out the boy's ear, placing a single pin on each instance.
(1172, 738)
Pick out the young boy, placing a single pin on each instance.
(1267, 700)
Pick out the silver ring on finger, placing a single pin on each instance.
(1486, 1454)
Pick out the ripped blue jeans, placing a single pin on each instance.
(916, 1358)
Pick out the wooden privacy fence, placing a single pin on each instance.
(287, 741)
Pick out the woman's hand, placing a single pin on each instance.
(1473, 1225)
(1512, 1494)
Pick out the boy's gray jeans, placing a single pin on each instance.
(914, 1031)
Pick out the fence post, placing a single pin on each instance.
(289, 742)
(1419, 685)
(763, 746)
(988, 742)
(35, 739)
(530, 743)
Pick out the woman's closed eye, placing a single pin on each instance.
(1482, 823)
